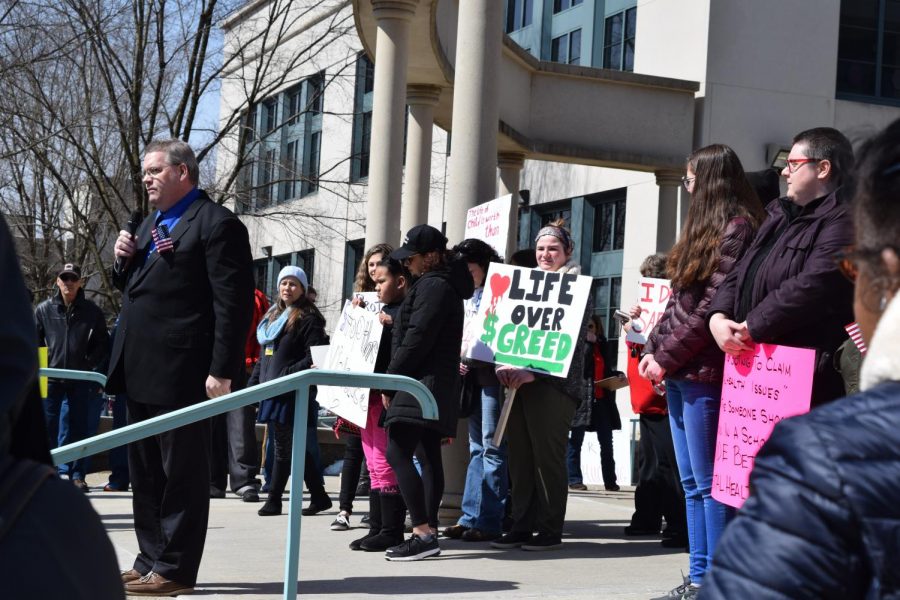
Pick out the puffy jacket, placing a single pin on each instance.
(823, 517)
(427, 338)
(681, 342)
(799, 297)
(76, 336)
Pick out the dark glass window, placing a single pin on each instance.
(609, 224)
(315, 88)
(869, 50)
(566, 48)
(362, 119)
(270, 115)
(619, 40)
(561, 5)
(518, 14)
(261, 274)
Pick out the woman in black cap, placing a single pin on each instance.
(427, 338)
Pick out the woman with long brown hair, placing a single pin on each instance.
(722, 220)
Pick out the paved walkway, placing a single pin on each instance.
(244, 556)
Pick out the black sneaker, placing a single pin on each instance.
(680, 591)
(513, 539)
(415, 548)
(543, 541)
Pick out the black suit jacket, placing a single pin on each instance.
(185, 313)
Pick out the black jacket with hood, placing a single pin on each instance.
(427, 338)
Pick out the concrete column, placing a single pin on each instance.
(388, 116)
(476, 113)
(421, 100)
(684, 205)
(511, 164)
(667, 214)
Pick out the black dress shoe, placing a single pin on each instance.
(315, 507)
(215, 492)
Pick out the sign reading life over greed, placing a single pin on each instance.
(531, 318)
(354, 347)
(489, 222)
(759, 388)
(653, 296)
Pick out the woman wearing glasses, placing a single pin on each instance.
(787, 289)
(721, 223)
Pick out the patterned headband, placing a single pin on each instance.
(559, 233)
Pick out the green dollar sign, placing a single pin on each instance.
(489, 331)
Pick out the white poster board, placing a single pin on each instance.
(373, 304)
(530, 318)
(489, 222)
(653, 295)
(354, 347)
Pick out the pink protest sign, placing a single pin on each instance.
(759, 388)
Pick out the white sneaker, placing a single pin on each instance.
(341, 523)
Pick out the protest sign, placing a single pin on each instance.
(354, 347)
(489, 222)
(531, 318)
(373, 304)
(760, 388)
(652, 298)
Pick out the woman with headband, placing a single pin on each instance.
(538, 426)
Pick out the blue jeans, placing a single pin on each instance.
(694, 416)
(66, 408)
(487, 480)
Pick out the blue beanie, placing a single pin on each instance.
(292, 271)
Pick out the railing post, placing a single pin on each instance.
(298, 464)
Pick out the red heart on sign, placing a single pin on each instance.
(499, 284)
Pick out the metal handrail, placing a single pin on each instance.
(98, 378)
(298, 383)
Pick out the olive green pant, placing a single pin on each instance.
(537, 433)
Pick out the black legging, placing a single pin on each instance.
(353, 460)
(422, 494)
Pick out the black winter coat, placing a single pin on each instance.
(681, 342)
(426, 345)
(823, 518)
(76, 336)
(799, 297)
(290, 354)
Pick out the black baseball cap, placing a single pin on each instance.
(419, 240)
(70, 269)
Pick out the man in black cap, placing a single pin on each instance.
(74, 331)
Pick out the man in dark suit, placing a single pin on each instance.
(187, 301)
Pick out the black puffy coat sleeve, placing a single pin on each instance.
(688, 336)
(794, 537)
(418, 339)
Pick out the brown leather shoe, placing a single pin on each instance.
(154, 584)
(455, 532)
(131, 575)
(81, 485)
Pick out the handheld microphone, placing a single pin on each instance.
(134, 221)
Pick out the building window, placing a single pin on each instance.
(362, 118)
(618, 40)
(354, 252)
(609, 226)
(561, 5)
(261, 274)
(519, 14)
(270, 115)
(311, 164)
(869, 50)
(265, 178)
(566, 48)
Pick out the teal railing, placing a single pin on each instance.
(77, 375)
(298, 383)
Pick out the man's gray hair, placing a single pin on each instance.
(177, 153)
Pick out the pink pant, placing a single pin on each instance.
(374, 443)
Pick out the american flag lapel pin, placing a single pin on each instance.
(856, 336)
(162, 239)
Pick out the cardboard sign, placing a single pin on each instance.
(489, 222)
(759, 389)
(531, 318)
(354, 347)
(653, 296)
(472, 346)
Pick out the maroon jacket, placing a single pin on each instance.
(798, 297)
(681, 342)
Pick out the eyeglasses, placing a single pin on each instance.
(687, 181)
(156, 171)
(792, 164)
(68, 278)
